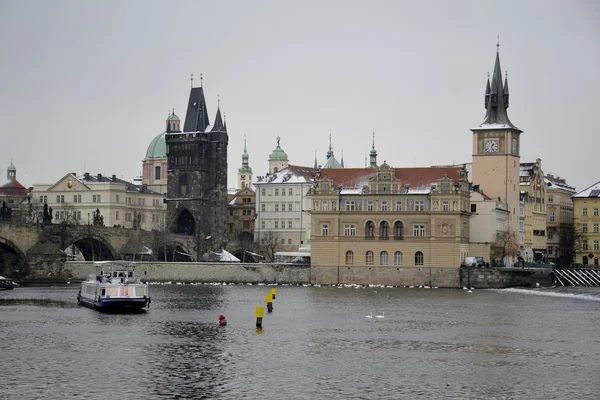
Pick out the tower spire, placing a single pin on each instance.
(192, 80)
(330, 152)
(342, 162)
(201, 80)
(315, 160)
(373, 154)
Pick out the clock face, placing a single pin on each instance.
(491, 146)
(514, 146)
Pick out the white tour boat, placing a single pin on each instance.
(116, 287)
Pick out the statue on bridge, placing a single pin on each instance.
(5, 212)
(47, 215)
(98, 219)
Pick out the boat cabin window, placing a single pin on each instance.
(130, 274)
(103, 291)
(121, 274)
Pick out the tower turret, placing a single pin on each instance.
(245, 172)
(11, 172)
(373, 154)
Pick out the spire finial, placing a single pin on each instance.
(218, 101)
(329, 139)
(498, 44)
(192, 80)
(373, 139)
(173, 109)
(244, 142)
(278, 139)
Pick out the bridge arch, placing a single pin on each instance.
(13, 262)
(174, 251)
(184, 223)
(91, 248)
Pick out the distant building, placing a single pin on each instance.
(587, 222)
(12, 194)
(282, 207)
(559, 218)
(154, 165)
(489, 236)
(533, 195)
(74, 199)
(242, 213)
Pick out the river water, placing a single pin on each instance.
(317, 344)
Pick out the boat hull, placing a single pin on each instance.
(115, 304)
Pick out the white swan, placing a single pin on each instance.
(370, 315)
(380, 316)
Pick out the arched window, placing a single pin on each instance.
(384, 230)
(369, 257)
(157, 172)
(349, 257)
(398, 230)
(418, 258)
(398, 258)
(383, 258)
(370, 230)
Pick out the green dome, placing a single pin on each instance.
(158, 147)
(278, 153)
(11, 167)
(173, 117)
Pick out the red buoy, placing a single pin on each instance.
(222, 320)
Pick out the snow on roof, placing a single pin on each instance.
(555, 183)
(491, 126)
(291, 174)
(592, 191)
(232, 202)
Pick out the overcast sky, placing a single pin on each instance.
(86, 85)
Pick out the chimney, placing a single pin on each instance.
(114, 178)
(74, 173)
(99, 177)
(86, 176)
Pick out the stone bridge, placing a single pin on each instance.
(41, 250)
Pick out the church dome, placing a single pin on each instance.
(278, 154)
(173, 117)
(157, 147)
(11, 167)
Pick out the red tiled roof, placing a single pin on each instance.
(13, 188)
(415, 177)
(298, 170)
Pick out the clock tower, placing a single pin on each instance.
(245, 172)
(497, 148)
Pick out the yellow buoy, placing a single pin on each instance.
(274, 292)
(260, 313)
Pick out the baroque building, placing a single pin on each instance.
(240, 224)
(278, 159)
(559, 219)
(74, 200)
(154, 165)
(497, 148)
(388, 219)
(197, 175)
(587, 225)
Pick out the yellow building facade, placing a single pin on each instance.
(559, 218)
(386, 218)
(586, 206)
(533, 194)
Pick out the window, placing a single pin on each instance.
(263, 192)
(419, 205)
(276, 224)
(384, 230)
(290, 192)
(60, 199)
(156, 173)
(290, 222)
(370, 205)
(96, 198)
(43, 199)
(369, 258)
(324, 229)
(550, 198)
(263, 207)
(473, 208)
(289, 240)
(418, 258)
(398, 230)
(596, 245)
(550, 250)
(283, 192)
(584, 212)
(552, 216)
(277, 192)
(550, 235)
(419, 230)
(384, 205)
(350, 205)
(349, 230)
(324, 205)
(399, 205)
(584, 245)
(370, 230)
(117, 215)
(398, 258)
(383, 258)
(349, 257)
(584, 227)
(290, 206)
(262, 224)
(76, 198)
(445, 205)
(333, 203)
(596, 228)
(277, 207)
(595, 211)
(445, 187)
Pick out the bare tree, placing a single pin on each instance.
(67, 217)
(569, 244)
(507, 245)
(271, 241)
(161, 221)
(244, 241)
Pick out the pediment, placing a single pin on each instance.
(68, 183)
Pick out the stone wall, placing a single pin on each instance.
(208, 272)
(386, 275)
(497, 278)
